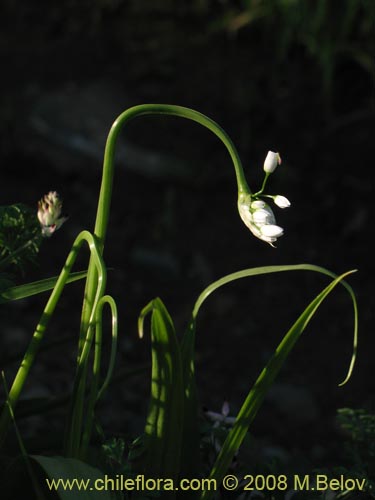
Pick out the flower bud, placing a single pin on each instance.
(257, 204)
(263, 216)
(271, 231)
(271, 162)
(281, 201)
(49, 213)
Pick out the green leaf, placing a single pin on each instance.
(36, 287)
(257, 271)
(81, 481)
(163, 430)
(256, 395)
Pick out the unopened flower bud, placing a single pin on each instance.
(271, 231)
(271, 162)
(49, 213)
(263, 216)
(257, 204)
(281, 201)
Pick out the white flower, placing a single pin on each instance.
(259, 218)
(281, 201)
(49, 213)
(271, 162)
(222, 417)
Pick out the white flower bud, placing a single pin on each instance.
(281, 201)
(257, 204)
(263, 216)
(271, 162)
(272, 231)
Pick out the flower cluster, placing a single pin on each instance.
(49, 213)
(256, 213)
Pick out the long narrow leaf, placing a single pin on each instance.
(36, 287)
(257, 271)
(256, 395)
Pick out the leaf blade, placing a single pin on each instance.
(163, 427)
(36, 287)
(257, 393)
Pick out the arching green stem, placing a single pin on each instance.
(104, 202)
(155, 109)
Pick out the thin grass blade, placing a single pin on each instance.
(36, 287)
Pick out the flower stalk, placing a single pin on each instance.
(104, 202)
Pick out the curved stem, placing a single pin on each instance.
(155, 109)
(104, 202)
(96, 392)
(258, 193)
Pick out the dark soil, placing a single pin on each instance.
(171, 234)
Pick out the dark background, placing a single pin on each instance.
(297, 79)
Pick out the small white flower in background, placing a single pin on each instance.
(49, 213)
(271, 162)
(221, 418)
(281, 201)
(259, 218)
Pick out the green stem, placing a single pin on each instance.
(258, 193)
(104, 202)
(49, 309)
(155, 109)
(73, 438)
(103, 210)
(96, 392)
